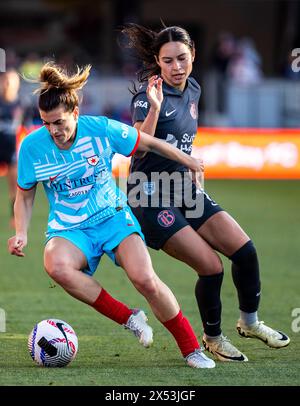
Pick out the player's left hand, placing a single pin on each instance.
(16, 244)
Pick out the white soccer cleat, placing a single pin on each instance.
(271, 337)
(198, 359)
(137, 323)
(222, 349)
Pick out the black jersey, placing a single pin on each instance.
(177, 124)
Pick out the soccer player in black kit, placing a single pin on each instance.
(166, 106)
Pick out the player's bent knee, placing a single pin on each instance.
(213, 267)
(62, 277)
(147, 285)
(59, 269)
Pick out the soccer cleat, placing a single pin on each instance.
(198, 359)
(222, 349)
(137, 323)
(273, 338)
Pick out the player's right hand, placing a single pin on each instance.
(16, 244)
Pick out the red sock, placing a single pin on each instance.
(183, 333)
(112, 308)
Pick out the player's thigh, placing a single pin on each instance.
(132, 255)
(223, 233)
(60, 252)
(189, 247)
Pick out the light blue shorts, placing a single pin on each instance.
(100, 238)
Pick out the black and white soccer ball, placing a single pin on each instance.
(52, 343)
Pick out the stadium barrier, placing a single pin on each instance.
(231, 153)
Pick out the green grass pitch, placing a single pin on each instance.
(108, 354)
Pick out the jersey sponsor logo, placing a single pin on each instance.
(186, 138)
(140, 103)
(71, 184)
(93, 160)
(169, 113)
(166, 218)
(193, 110)
(67, 185)
(149, 188)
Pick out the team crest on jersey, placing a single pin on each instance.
(166, 218)
(93, 160)
(193, 110)
(149, 188)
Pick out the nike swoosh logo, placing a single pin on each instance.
(240, 358)
(60, 327)
(52, 178)
(168, 113)
(266, 341)
(212, 324)
(284, 337)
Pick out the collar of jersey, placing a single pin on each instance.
(170, 90)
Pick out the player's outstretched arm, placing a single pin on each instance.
(152, 144)
(22, 211)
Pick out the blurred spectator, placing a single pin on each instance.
(11, 114)
(223, 52)
(245, 66)
(12, 59)
(117, 113)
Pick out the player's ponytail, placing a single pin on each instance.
(57, 87)
(142, 40)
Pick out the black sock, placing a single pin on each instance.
(245, 275)
(208, 295)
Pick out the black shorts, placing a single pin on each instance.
(160, 223)
(7, 148)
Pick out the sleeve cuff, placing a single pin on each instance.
(136, 144)
(21, 188)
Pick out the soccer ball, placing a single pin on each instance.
(52, 343)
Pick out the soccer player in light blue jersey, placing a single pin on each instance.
(71, 155)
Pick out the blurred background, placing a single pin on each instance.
(246, 63)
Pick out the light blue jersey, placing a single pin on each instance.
(78, 181)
